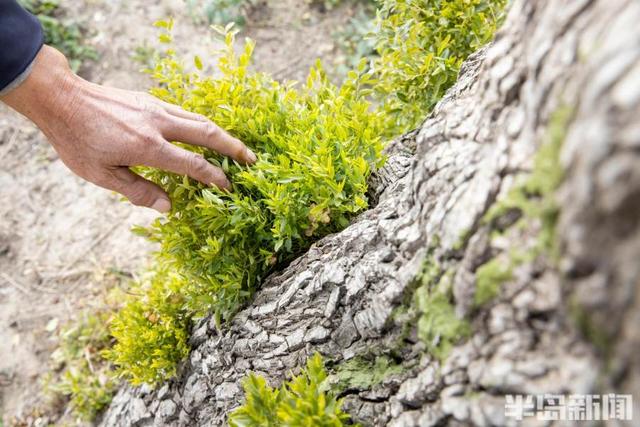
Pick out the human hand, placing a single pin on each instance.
(100, 132)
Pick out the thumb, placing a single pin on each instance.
(139, 191)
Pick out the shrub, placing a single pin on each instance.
(299, 402)
(316, 146)
(63, 34)
(151, 332)
(421, 46)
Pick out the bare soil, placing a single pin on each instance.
(60, 236)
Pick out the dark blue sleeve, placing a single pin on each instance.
(20, 41)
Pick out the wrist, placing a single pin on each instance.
(46, 93)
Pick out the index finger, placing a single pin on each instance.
(174, 159)
(205, 133)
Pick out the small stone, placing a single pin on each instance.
(371, 321)
(396, 408)
(296, 284)
(264, 310)
(456, 377)
(453, 390)
(195, 392)
(195, 358)
(376, 394)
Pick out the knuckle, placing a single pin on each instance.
(161, 150)
(151, 139)
(139, 196)
(197, 164)
(211, 131)
(153, 112)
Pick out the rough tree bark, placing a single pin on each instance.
(440, 181)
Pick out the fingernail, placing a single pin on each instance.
(161, 205)
(251, 156)
(223, 185)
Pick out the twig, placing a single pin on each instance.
(11, 281)
(87, 356)
(65, 274)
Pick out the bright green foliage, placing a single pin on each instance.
(422, 44)
(151, 332)
(63, 34)
(316, 146)
(361, 373)
(299, 402)
(438, 325)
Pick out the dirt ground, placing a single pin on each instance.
(60, 236)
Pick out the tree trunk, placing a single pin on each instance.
(565, 324)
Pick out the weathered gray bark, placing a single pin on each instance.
(338, 298)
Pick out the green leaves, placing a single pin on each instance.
(298, 402)
(421, 46)
(316, 146)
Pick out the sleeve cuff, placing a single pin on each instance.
(20, 78)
